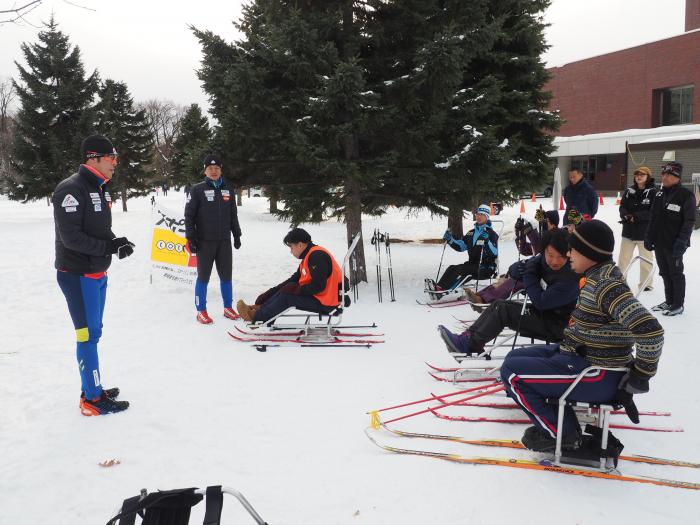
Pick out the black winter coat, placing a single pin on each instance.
(638, 204)
(558, 298)
(581, 196)
(83, 219)
(211, 213)
(672, 216)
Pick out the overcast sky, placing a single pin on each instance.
(146, 43)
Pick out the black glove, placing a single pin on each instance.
(519, 224)
(121, 246)
(527, 228)
(634, 382)
(236, 242)
(648, 245)
(193, 245)
(679, 248)
(290, 288)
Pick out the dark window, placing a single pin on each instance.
(677, 106)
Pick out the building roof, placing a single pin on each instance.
(614, 142)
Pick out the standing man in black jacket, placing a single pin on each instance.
(579, 195)
(635, 213)
(672, 221)
(211, 218)
(84, 248)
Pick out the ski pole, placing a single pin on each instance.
(478, 269)
(387, 246)
(436, 398)
(353, 271)
(439, 407)
(377, 253)
(437, 276)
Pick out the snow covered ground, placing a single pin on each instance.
(285, 427)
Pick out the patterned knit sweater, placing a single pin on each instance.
(608, 322)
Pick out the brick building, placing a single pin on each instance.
(637, 106)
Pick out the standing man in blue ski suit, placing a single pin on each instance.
(84, 248)
(481, 243)
(211, 218)
(579, 195)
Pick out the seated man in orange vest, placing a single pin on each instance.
(313, 287)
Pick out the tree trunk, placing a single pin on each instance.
(353, 225)
(239, 197)
(455, 221)
(273, 204)
(124, 200)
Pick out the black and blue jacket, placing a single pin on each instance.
(211, 213)
(477, 239)
(83, 219)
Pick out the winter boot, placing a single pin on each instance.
(456, 344)
(673, 310)
(203, 317)
(230, 313)
(538, 441)
(246, 312)
(102, 405)
(473, 296)
(112, 393)
(661, 307)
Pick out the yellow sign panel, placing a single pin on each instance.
(169, 247)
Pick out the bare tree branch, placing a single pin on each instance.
(19, 12)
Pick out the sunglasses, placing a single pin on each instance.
(94, 155)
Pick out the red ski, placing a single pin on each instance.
(464, 380)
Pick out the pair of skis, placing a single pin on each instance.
(294, 338)
(543, 465)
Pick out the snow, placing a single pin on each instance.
(285, 427)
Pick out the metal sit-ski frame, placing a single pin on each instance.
(641, 260)
(315, 326)
(601, 414)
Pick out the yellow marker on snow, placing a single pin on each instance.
(374, 420)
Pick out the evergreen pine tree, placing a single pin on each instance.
(192, 144)
(55, 114)
(128, 129)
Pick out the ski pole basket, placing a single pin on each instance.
(173, 507)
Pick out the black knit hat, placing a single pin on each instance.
(212, 160)
(296, 235)
(552, 216)
(96, 146)
(594, 239)
(673, 168)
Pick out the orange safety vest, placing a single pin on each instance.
(330, 295)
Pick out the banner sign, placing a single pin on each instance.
(170, 255)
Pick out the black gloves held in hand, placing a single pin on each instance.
(236, 242)
(679, 248)
(192, 243)
(648, 245)
(121, 246)
(634, 382)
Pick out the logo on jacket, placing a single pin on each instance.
(225, 195)
(69, 201)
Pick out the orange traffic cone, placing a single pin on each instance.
(618, 201)
(534, 197)
(561, 203)
(522, 207)
(600, 196)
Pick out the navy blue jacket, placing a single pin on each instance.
(83, 218)
(559, 297)
(211, 213)
(581, 196)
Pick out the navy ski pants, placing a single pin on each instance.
(280, 301)
(533, 374)
(86, 298)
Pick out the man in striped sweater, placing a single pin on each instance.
(607, 325)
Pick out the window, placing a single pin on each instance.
(676, 106)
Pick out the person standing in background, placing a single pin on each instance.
(211, 218)
(668, 235)
(635, 213)
(579, 195)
